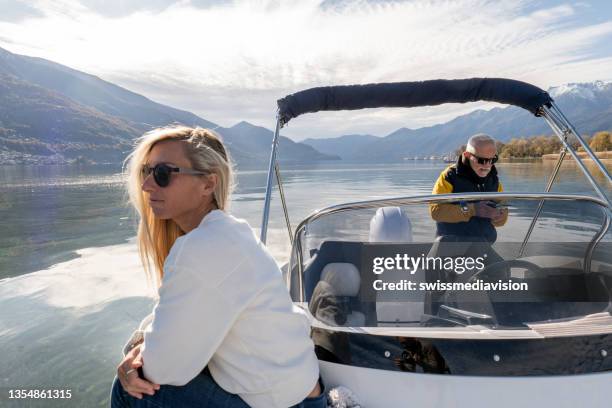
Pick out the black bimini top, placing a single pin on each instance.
(413, 94)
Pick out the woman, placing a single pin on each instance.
(223, 332)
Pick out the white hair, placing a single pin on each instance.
(478, 140)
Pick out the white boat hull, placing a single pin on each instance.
(383, 389)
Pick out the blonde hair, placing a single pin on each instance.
(206, 153)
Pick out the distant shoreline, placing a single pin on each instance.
(607, 155)
(604, 156)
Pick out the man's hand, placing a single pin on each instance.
(502, 213)
(482, 209)
(127, 372)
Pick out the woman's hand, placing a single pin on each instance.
(127, 372)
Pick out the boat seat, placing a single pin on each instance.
(329, 252)
(334, 299)
(392, 225)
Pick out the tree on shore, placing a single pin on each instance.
(537, 146)
(530, 147)
(601, 142)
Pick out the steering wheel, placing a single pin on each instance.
(497, 268)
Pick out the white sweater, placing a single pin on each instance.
(222, 303)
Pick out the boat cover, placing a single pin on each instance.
(413, 94)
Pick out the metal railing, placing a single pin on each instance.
(436, 199)
(563, 128)
(272, 165)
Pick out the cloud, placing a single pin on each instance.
(230, 61)
(126, 8)
(16, 11)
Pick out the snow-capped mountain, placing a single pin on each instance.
(587, 105)
(589, 90)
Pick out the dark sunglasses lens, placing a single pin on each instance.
(161, 173)
(483, 160)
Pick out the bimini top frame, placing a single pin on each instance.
(428, 93)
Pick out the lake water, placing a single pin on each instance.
(71, 286)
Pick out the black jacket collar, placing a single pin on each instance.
(465, 170)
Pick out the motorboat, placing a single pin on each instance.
(404, 317)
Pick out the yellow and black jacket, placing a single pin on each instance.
(450, 218)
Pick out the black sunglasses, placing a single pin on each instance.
(485, 160)
(161, 173)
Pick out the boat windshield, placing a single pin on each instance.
(422, 265)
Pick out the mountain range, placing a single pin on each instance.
(50, 113)
(587, 105)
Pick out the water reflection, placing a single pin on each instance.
(48, 213)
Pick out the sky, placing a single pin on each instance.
(229, 61)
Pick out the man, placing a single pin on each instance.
(474, 172)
